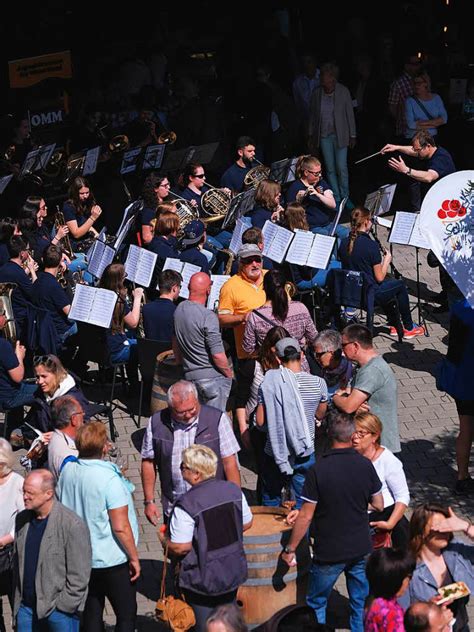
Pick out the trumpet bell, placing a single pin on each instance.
(167, 138)
(119, 143)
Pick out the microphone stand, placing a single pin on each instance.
(421, 317)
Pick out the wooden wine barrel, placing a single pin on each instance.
(271, 585)
(167, 372)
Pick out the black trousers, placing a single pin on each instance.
(113, 583)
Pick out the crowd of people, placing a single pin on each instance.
(315, 408)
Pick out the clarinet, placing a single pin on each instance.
(396, 273)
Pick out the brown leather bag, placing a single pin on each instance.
(176, 613)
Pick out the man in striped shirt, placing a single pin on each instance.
(311, 396)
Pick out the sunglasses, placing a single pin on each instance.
(47, 360)
(199, 175)
(319, 354)
(255, 259)
(183, 467)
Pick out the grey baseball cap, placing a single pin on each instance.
(249, 250)
(284, 343)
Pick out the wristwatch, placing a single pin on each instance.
(149, 502)
(408, 173)
(286, 549)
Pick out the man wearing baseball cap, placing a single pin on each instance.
(193, 241)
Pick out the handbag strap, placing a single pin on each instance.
(430, 116)
(265, 318)
(163, 574)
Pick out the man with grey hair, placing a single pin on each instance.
(341, 484)
(335, 368)
(67, 416)
(52, 560)
(175, 428)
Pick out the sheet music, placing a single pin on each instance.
(279, 244)
(269, 230)
(90, 161)
(129, 161)
(153, 156)
(300, 247)
(187, 272)
(93, 305)
(321, 251)
(44, 156)
(382, 221)
(380, 201)
(419, 239)
(4, 182)
(218, 281)
(402, 228)
(291, 173)
(172, 264)
(102, 255)
(236, 241)
(121, 235)
(340, 209)
(29, 162)
(139, 265)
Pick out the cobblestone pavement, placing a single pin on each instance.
(428, 427)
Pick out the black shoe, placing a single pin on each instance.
(466, 486)
(440, 297)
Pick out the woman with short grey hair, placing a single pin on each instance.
(11, 502)
(336, 369)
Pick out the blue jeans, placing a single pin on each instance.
(395, 288)
(214, 391)
(273, 480)
(23, 397)
(319, 279)
(341, 231)
(335, 161)
(78, 263)
(57, 621)
(72, 331)
(125, 352)
(322, 580)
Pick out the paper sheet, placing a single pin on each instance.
(321, 251)
(402, 228)
(93, 305)
(90, 161)
(218, 281)
(300, 247)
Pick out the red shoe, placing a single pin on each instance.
(417, 330)
(393, 332)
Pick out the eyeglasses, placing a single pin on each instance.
(344, 344)
(183, 467)
(199, 175)
(165, 186)
(43, 359)
(79, 412)
(319, 354)
(362, 433)
(249, 260)
(314, 173)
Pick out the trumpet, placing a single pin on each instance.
(65, 241)
(6, 309)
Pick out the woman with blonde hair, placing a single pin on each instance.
(314, 193)
(267, 203)
(396, 497)
(11, 502)
(360, 253)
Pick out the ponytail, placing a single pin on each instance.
(304, 163)
(274, 286)
(358, 217)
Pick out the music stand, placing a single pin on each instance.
(90, 161)
(44, 156)
(338, 216)
(278, 170)
(153, 158)
(4, 180)
(239, 205)
(174, 160)
(379, 202)
(130, 160)
(30, 165)
(421, 316)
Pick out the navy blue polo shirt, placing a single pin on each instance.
(48, 294)
(341, 483)
(441, 162)
(259, 216)
(4, 254)
(8, 361)
(195, 256)
(317, 214)
(365, 255)
(115, 341)
(70, 214)
(190, 195)
(147, 216)
(233, 177)
(35, 534)
(158, 319)
(11, 272)
(164, 248)
(39, 240)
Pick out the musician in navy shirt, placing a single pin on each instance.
(158, 315)
(165, 242)
(192, 243)
(267, 203)
(81, 211)
(48, 293)
(310, 190)
(155, 189)
(233, 177)
(439, 163)
(14, 272)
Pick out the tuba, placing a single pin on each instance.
(6, 308)
(255, 175)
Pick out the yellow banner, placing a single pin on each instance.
(26, 72)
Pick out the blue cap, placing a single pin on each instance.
(193, 232)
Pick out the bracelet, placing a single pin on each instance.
(469, 525)
(408, 173)
(149, 502)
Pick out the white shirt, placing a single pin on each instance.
(59, 447)
(394, 483)
(11, 502)
(182, 525)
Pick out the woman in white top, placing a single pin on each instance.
(396, 497)
(11, 502)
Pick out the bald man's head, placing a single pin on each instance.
(426, 617)
(38, 491)
(199, 286)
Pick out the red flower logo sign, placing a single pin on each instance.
(452, 210)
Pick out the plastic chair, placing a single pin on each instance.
(148, 350)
